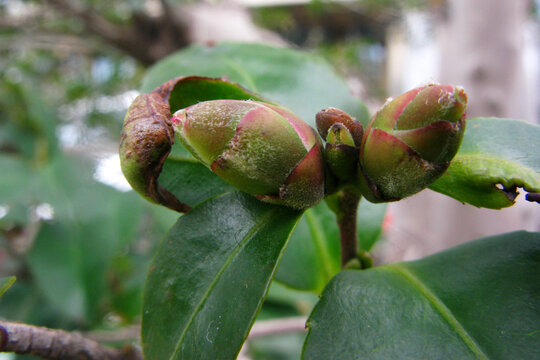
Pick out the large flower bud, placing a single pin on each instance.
(409, 143)
(261, 149)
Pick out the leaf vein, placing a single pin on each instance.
(199, 306)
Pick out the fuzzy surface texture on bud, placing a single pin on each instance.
(410, 142)
(262, 149)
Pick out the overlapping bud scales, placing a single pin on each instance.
(410, 142)
(343, 136)
(261, 149)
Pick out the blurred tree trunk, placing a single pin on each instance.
(481, 49)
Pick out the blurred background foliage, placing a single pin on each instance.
(77, 240)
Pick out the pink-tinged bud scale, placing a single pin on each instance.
(262, 149)
(410, 142)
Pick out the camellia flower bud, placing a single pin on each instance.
(343, 136)
(260, 148)
(410, 142)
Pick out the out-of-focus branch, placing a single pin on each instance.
(57, 344)
(146, 38)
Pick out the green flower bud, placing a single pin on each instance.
(261, 149)
(343, 136)
(410, 142)
(326, 118)
(340, 153)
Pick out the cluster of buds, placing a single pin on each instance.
(408, 144)
(265, 150)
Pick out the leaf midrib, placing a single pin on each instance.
(443, 310)
(262, 221)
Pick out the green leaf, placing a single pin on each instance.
(494, 152)
(312, 257)
(300, 81)
(189, 180)
(192, 90)
(5, 283)
(72, 253)
(479, 300)
(210, 275)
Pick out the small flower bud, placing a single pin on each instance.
(262, 149)
(340, 152)
(343, 136)
(330, 116)
(410, 142)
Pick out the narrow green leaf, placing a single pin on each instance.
(312, 257)
(494, 152)
(479, 300)
(5, 283)
(210, 275)
(300, 81)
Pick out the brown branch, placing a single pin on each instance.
(348, 205)
(146, 38)
(57, 344)
(93, 22)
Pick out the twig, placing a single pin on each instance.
(57, 344)
(62, 345)
(348, 206)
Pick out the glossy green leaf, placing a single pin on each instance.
(191, 181)
(210, 275)
(192, 90)
(5, 283)
(300, 81)
(494, 152)
(312, 257)
(479, 300)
